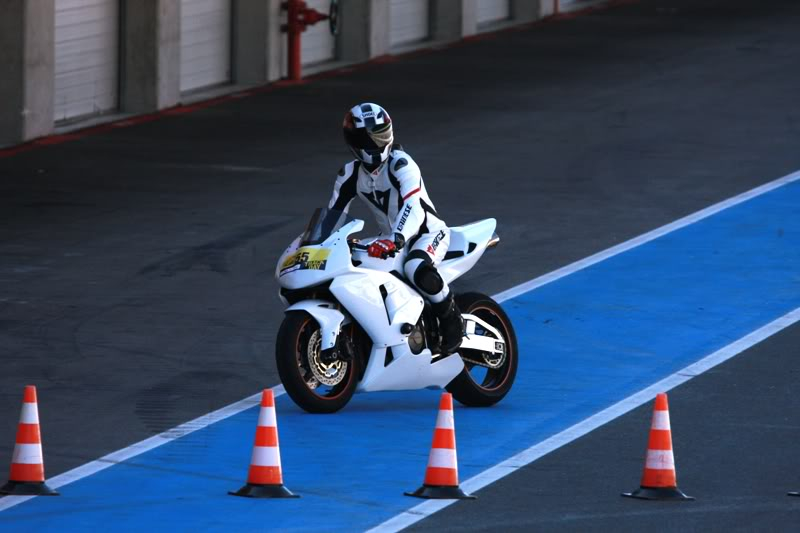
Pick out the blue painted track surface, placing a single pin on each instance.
(586, 341)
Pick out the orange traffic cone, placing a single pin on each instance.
(27, 465)
(441, 475)
(658, 480)
(264, 479)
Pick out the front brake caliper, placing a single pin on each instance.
(342, 351)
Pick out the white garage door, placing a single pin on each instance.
(410, 21)
(316, 43)
(86, 57)
(493, 11)
(205, 43)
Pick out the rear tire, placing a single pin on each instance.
(484, 391)
(294, 356)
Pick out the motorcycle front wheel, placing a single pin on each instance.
(315, 385)
(482, 385)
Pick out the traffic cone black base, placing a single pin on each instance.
(660, 493)
(264, 491)
(793, 493)
(440, 493)
(20, 488)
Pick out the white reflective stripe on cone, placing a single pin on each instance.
(660, 460)
(29, 414)
(267, 417)
(442, 458)
(445, 420)
(27, 454)
(265, 456)
(660, 420)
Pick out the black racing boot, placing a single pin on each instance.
(451, 325)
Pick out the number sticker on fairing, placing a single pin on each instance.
(306, 259)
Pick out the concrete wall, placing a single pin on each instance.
(27, 63)
(151, 45)
(276, 41)
(453, 19)
(524, 11)
(256, 41)
(150, 50)
(363, 29)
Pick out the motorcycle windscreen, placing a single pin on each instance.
(324, 223)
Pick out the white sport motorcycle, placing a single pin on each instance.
(355, 324)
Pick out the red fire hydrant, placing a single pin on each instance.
(298, 18)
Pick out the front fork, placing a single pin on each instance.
(343, 350)
(333, 346)
(329, 318)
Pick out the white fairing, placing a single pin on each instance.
(461, 238)
(407, 371)
(368, 292)
(360, 293)
(329, 319)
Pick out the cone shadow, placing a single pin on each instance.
(430, 492)
(264, 491)
(658, 493)
(20, 488)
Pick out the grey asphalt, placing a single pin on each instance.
(136, 265)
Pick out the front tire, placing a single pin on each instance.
(313, 385)
(477, 386)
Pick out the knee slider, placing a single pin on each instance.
(427, 279)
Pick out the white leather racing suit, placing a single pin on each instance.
(396, 195)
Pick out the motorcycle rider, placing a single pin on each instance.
(389, 181)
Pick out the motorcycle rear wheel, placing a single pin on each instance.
(297, 351)
(484, 389)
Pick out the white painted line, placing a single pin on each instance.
(206, 420)
(145, 446)
(645, 238)
(524, 458)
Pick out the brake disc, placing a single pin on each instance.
(330, 374)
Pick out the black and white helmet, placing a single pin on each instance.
(368, 133)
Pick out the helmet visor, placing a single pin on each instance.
(358, 139)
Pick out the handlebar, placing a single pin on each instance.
(355, 245)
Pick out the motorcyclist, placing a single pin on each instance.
(389, 181)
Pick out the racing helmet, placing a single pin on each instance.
(368, 133)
